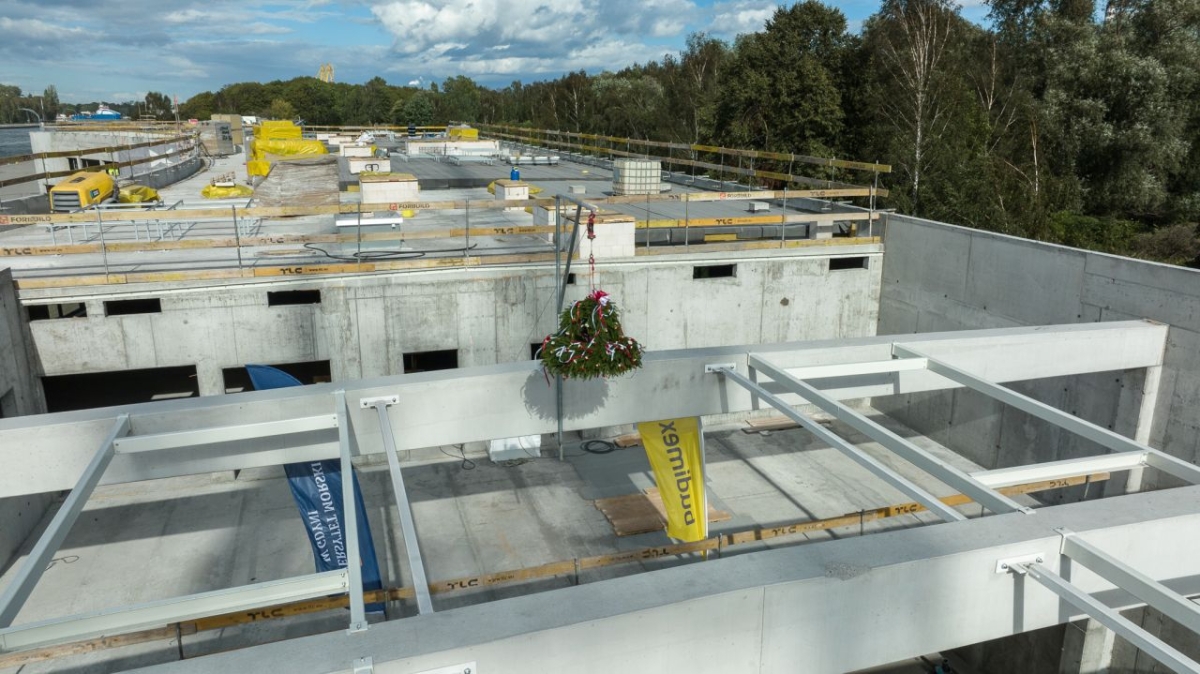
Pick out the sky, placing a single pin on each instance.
(116, 51)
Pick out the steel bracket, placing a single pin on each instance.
(364, 666)
(365, 403)
(1017, 564)
(710, 368)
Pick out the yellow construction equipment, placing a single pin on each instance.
(81, 190)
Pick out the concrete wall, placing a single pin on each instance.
(19, 395)
(65, 141)
(942, 277)
(364, 325)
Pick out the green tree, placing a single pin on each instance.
(418, 110)
(281, 109)
(460, 100)
(780, 90)
(159, 106)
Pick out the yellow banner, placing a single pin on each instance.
(674, 449)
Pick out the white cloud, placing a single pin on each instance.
(527, 36)
(29, 30)
(734, 17)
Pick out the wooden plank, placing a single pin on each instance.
(628, 440)
(769, 424)
(765, 244)
(633, 514)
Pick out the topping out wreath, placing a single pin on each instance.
(589, 342)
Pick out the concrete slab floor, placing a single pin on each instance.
(154, 540)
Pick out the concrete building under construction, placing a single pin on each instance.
(921, 441)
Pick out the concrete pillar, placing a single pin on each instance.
(1145, 421)
(1087, 648)
(209, 378)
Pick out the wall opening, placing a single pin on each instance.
(280, 298)
(715, 271)
(534, 349)
(42, 312)
(428, 361)
(842, 263)
(237, 379)
(148, 305)
(571, 279)
(104, 389)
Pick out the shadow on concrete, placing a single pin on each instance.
(581, 398)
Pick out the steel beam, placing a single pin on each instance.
(1171, 603)
(1111, 619)
(1057, 470)
(903, 484)
(855, 369)
(358, 612)
(20, 587)
(164, 612)
(205, 436)
(1101, 436)
(408, 527)
(902, 447)
(1177, 467)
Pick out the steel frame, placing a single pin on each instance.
(156, 613)
(952, 476)
(18, 591)
(906, 486)
(1132, 455)
(1108, 617)
(1085, 429)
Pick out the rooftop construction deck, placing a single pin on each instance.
(920, 438)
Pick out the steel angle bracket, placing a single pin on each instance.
(1018, 564)
(364, 403)
(364, 666)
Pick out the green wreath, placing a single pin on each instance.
(589, 342)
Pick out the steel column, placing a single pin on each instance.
(1173, 604)
(1110, 618)
(903, 484)
(902, 447)
(19, 589)
(358, 612)
(408, 527)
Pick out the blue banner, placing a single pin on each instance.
(317, 489)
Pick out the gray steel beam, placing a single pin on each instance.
(1171, 603)
(164, 612)
(408, 526)
(1101, 436)
(43, 453)
(20, 587)
(217, 434)
(1111, 619)
(358, 613)
(952, 476)
(1057, 470)
(903, 484)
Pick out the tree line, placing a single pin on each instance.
(26, 108)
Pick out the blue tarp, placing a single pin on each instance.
(317, 489)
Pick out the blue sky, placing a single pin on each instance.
(118, 50)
